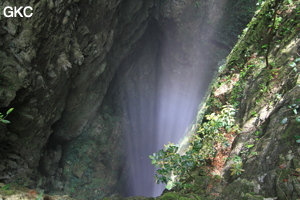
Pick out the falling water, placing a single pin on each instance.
(162, 95)
(156, 119)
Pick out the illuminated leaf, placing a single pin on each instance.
(9, 111)
(5, 121)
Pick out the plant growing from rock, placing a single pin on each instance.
(170, 163)
(202, 148)
(294, 107)
(236, 168)
(40, 197)
(2, 117)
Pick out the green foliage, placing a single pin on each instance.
(297, 137)
(278, 96)
(249, 146)
(257, 133)
(277, 22)
(6, 187)
(236, 166)
(254, 113)
(197, 4)
(294, 65)
(289, 2)
(294, 107)
(259, 3)
(212, 131)
(40, 197)
(263, 88)
(298, 119)
(2, 117)
(202, 148)
(237, 159)
(170, 163)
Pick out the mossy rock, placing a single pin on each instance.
(249, 196)
(237, 189)
(170, 196)
(179, 196)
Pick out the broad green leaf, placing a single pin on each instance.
(170, 185)
(292, 64)
(5, 121)
(9, 111)
(6, 187)
(40, 197)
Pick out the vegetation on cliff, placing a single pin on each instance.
(260, 82)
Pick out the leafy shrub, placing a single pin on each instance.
(2, 117)
(202, 148)
(236, 168)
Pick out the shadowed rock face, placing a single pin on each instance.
(91, 81)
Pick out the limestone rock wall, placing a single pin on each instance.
(268, 110)
(55, 70)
